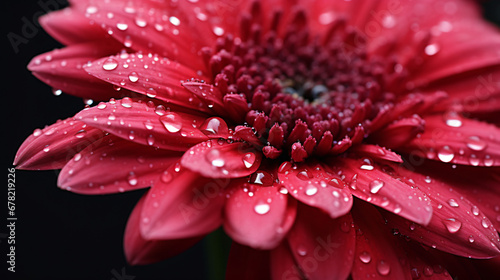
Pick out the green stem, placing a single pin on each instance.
(217, 246)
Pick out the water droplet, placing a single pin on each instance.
(284, 167)
(91, 10)
(148, 124)
(132, 179)
(160, 110)
(122, 26)
(46, 149)
(141, 22)
(172, 122)
(214, 126)
(475, 210)
(471, 239)
(81, 133)
(304, 175)
(431, 49)
(133, 77)
(311, 190)
(37, 132)
(475, 143)
(428, 271)
(365, 257)
(126, 102)
(151, 140)
(446, 154)
(383, 268)
(175, 21)
(219, 31)
(488, 161)
(166, 177)
(453, 203)
(110, 64)
(452, 225)
(215, 158)
(485, 223)
(249, 159)
(77, 157)
(452, 119)
(262, 208)
(301, 250)
(57, 92)
(375, 186)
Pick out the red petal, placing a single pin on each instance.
(370, 182)
(220, 159)
(457, 225)
(53, 146)
(311, 185)
(376, 152)
(150, 75)
(62, 25)
(140, 251)
(283, 265)
(322, 247)
(62, 69)
(377, 251)
(399, 132)
(257, 216)
(113, 165)
(146, 124)
(454, 139)
(182, 204)
(245, 263)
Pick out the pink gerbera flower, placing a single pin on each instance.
(329, 139)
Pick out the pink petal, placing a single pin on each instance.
(322, 247)
(457, 226)
(245, 263)
(62, 69)
(452, 138)
(140, 251)
(62, 24)
(377, 251)
(312, 185)
(53, 146)
(257, 216)
(220, 159)
(373, 183)
(113, 165)
(182, 204)
(145, 124)
(150, 75)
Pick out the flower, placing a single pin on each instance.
(329, 139)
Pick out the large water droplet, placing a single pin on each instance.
(452, 119)
(475, 143)
(249, 159)
(375, 186)
(452, 225)
(311, 190)
(110, 64)
(214, 126)
(122, 26)
(126, 102)
(446, 154)
(453, 203)
(365, 257)
(172, 122)
(262, 208)
(304, 175)
(133, 77)
(383, 268)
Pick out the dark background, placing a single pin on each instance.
(61, 235)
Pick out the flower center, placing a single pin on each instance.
(305, 94)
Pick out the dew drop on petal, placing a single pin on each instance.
(471, 239)
(126, 102)
(304, 175)
(311, 190)
(365, 257)
(132, 179)
(262, 208)
(446, 154)
(249, 159)
(431, 49)
(453, 203)
(452, 119)
(166, 177)
(109, 64)
(122, 26)
(475, 143)
(383, 268)
(172, 122)
(302, 251)
(133, 77)
(452, 225)
(375, 186)
(475, 210)
(215, 158)
(37, 132)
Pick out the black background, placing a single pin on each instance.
(61, 235)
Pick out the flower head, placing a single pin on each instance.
(328, 138)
